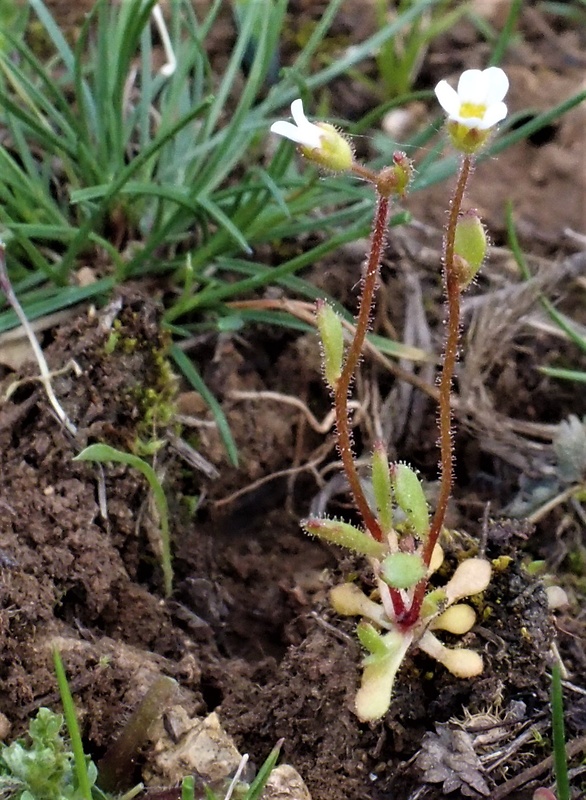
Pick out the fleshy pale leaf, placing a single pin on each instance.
(471, 577)
(461, 662)
(351, 601)
(457, 619)
(374, 696)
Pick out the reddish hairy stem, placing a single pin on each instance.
(352, 357)
(452, 290)
(344, 437)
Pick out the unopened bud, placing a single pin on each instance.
(470, 246)
(395, 179)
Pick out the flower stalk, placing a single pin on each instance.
(403, 548)
(452, 291)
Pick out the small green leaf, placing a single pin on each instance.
(381, 486)
(332, 337)
(373, 641)
(410, 497)
(403, 570)
(345, 535)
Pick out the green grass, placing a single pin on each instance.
(103, 453)
(133, 173)
(566, 325)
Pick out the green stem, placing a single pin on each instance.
(452, 291)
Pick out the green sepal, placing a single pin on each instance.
(335, 151)
(402, 570)
(332, 337)
(410, 497)
(345, 535)
(381, 486)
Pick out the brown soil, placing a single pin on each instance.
(248, 631)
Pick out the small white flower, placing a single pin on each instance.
(320, 143)
(478, 102)
(303, 132)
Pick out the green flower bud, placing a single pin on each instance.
(395, 179)
(403, 570)
(410, 497)
(470, 245)
(331, 332)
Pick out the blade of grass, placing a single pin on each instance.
(559, 737)
(506, 33)
(556, 316)
(194, 378)
(79, 758)
(103, 453)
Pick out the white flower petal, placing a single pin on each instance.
(471, 122)
(470, 82)
(448, 98)
(494, 113)
(498, 85)
(298, 114)
(289, 131)
(303, 132)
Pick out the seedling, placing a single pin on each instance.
(404, 611)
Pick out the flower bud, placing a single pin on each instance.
(470, 246)
(319, 142)
(331, 332)
(395, 179)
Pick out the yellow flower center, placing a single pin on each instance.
(472, 110)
